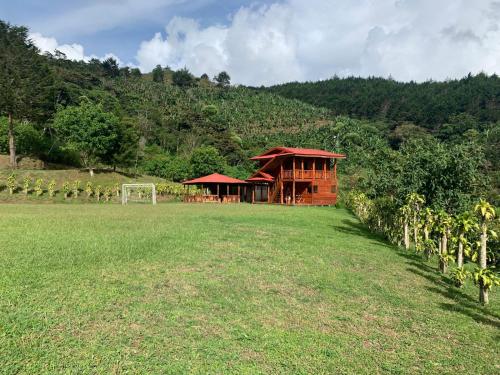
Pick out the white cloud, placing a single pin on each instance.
(72, 51)
(315, 39)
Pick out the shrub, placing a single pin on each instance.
(76, 188)
(11, 183)
(66, 189)
(97, 192)
(38, 187)
(51, 188)
(26, 184)
(116, 189)
(107, 193)
(459, 275)
(89, 189)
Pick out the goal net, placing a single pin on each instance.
(141, 193)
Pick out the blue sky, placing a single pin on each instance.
(272, 41)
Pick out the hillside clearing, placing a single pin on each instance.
(226, 289)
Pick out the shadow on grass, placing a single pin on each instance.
(358, 229)
(465, 304)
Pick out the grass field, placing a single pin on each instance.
(226, 289)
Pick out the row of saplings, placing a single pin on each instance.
(72, 189)
(453, 238)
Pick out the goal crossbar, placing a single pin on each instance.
(128, 187)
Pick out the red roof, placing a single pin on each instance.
(265, 177)
(214, 178)
(283, 151)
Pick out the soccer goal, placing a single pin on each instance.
(142, 193)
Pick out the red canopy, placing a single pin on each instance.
(214, 178)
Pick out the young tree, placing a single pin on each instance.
(158, 74)
(110, 67)
(223, 79)
(415, 202)
(88, 130)
(25, 80)
(444, 223)
(486, 213)
(183, 78)
(464, 224)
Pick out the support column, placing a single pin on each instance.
(281, 183)
(253, 193)
(313, 180)
(239, 193)
(268, 194)
(324, 169)
(293, 182)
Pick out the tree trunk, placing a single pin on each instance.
(12, 143)
(407, 236)
(483, 292)
(426, 243)
(460, 253)
(415, 231)
(444, 245)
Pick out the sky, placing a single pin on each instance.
(265, 42)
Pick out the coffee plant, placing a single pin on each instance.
(51, 188)
(38, 187)
(66, 189)
(76, 188)
(11, 183)
(26, 184)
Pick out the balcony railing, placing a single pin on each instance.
(210, 198)
(307, 174)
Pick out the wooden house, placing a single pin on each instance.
(216, 188)
(290, 175)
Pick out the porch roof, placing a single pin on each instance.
(214, 178)
(285, 151)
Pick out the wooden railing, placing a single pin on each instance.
(307, 174)
(231, 199)
(199, 198)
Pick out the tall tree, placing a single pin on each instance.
(158, 75)
(223, 79)
(25, 80)
(88, 130)
(110, 67)
(486, 213)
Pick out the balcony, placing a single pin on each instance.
(306, 174)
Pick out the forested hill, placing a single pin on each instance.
(426, 104)
(436, 139)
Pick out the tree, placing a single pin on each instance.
(415, 202)
(207, 160)
(25, 79)
(158, 74)
(486, 213)
(110, 67)
(444, 223)
(223, 79)
(135, 72)
(88, 130)
(183, 78)
(465, 223)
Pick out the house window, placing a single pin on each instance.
(315, 188)
(333, 189)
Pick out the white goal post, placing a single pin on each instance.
(138, 193)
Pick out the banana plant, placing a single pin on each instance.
(76, 188)
(89, 189)
(107, 193)
(428, 224)
(11, 183)
(415, 202)
(459, 275)
(26, 184)
(38, 187)
(51, 188)
(486, 213)
(116, 189)
(465, 224)
(66, 189)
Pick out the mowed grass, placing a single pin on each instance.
(217, 289)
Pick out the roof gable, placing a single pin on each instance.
(214, 178)
(283, 151)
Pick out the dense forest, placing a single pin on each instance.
(440, 139)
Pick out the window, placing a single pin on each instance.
(315, 188)
(333, 189)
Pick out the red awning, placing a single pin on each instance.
(214, 178)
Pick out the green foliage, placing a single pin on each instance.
(459, 275)
(51, 188)
(98, 192)
(38, 187)
(157, 74)
(183, 78)
(88, 130)
(107, 193)
(89, 189)
(485, 278)
(66, 188)
(206, 160)
(11, 183)
(76, 188)
(26, 184)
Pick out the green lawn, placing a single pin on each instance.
(226, 289)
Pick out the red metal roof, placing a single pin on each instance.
(214, 178)
(283, 151)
